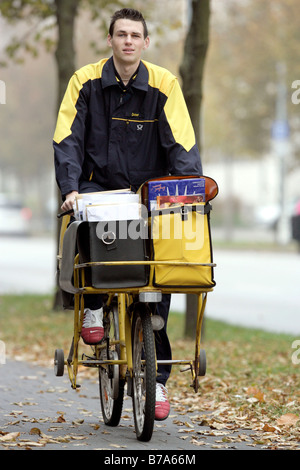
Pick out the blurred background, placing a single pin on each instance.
(249, 134)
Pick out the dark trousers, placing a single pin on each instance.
(162, 343)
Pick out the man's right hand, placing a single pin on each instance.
(69, 201)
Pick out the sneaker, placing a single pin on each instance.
(162, 405)
(92, 327)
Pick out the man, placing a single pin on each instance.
(121, 122)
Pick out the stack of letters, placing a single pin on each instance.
(107, 205)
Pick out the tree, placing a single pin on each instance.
(191, 70)
(192, 66)
(248, 40)
(66, 12)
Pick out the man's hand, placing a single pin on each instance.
(69, 201)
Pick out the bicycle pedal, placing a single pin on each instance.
(185, 370)
(157, 322)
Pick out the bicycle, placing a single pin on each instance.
(127, 354)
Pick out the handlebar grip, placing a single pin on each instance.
(70, 211)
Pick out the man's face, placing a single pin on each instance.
(128, 41)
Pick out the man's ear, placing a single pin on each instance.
(147, 43)
(109, 40)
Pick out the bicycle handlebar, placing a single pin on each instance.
(70, 211)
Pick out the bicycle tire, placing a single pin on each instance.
(144, 373)
(111, 387)
(59, 362)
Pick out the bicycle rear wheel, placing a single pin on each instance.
(110, 385)
(144, 373)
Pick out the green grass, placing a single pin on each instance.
(238, 350)
(29, 326)
(29, 320)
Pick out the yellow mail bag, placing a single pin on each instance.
(182, 234)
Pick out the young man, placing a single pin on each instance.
(121, 122)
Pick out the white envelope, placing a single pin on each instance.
(108, 212)
(102, 199)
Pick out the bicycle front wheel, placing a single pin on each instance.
(144, 373)
(110, 384)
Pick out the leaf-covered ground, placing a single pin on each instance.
(244, 389)
(250, 392)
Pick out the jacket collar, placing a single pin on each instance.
(109, 77)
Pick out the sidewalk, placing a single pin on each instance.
(44, 413)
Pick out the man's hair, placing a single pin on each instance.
(127, 14)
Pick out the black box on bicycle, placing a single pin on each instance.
(114, 241)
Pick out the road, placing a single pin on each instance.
(257, 289)
(27, 265)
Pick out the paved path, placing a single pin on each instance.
(42, 409)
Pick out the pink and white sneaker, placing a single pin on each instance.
(162, 405)
(92, 327)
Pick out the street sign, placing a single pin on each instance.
(280, 130)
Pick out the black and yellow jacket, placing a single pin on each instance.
(118, 137)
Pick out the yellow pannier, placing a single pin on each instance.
(182, 234)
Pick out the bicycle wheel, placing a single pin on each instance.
(144, 374)
(110, 385)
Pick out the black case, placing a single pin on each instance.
(114, 241)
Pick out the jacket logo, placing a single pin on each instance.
(139, 127)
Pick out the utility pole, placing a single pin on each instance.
(280, 137)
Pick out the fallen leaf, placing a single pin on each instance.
(61, 419)
(25, 403)
(189, 425)
(29, 444)
(185, 430)
(35, 431)
(256, 393)
(95, 426)
(78, 421)
(288, 419)
(268, 428)
(10, 436)
(197, 443)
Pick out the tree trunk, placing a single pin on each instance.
(66, 12)
(191, 70)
